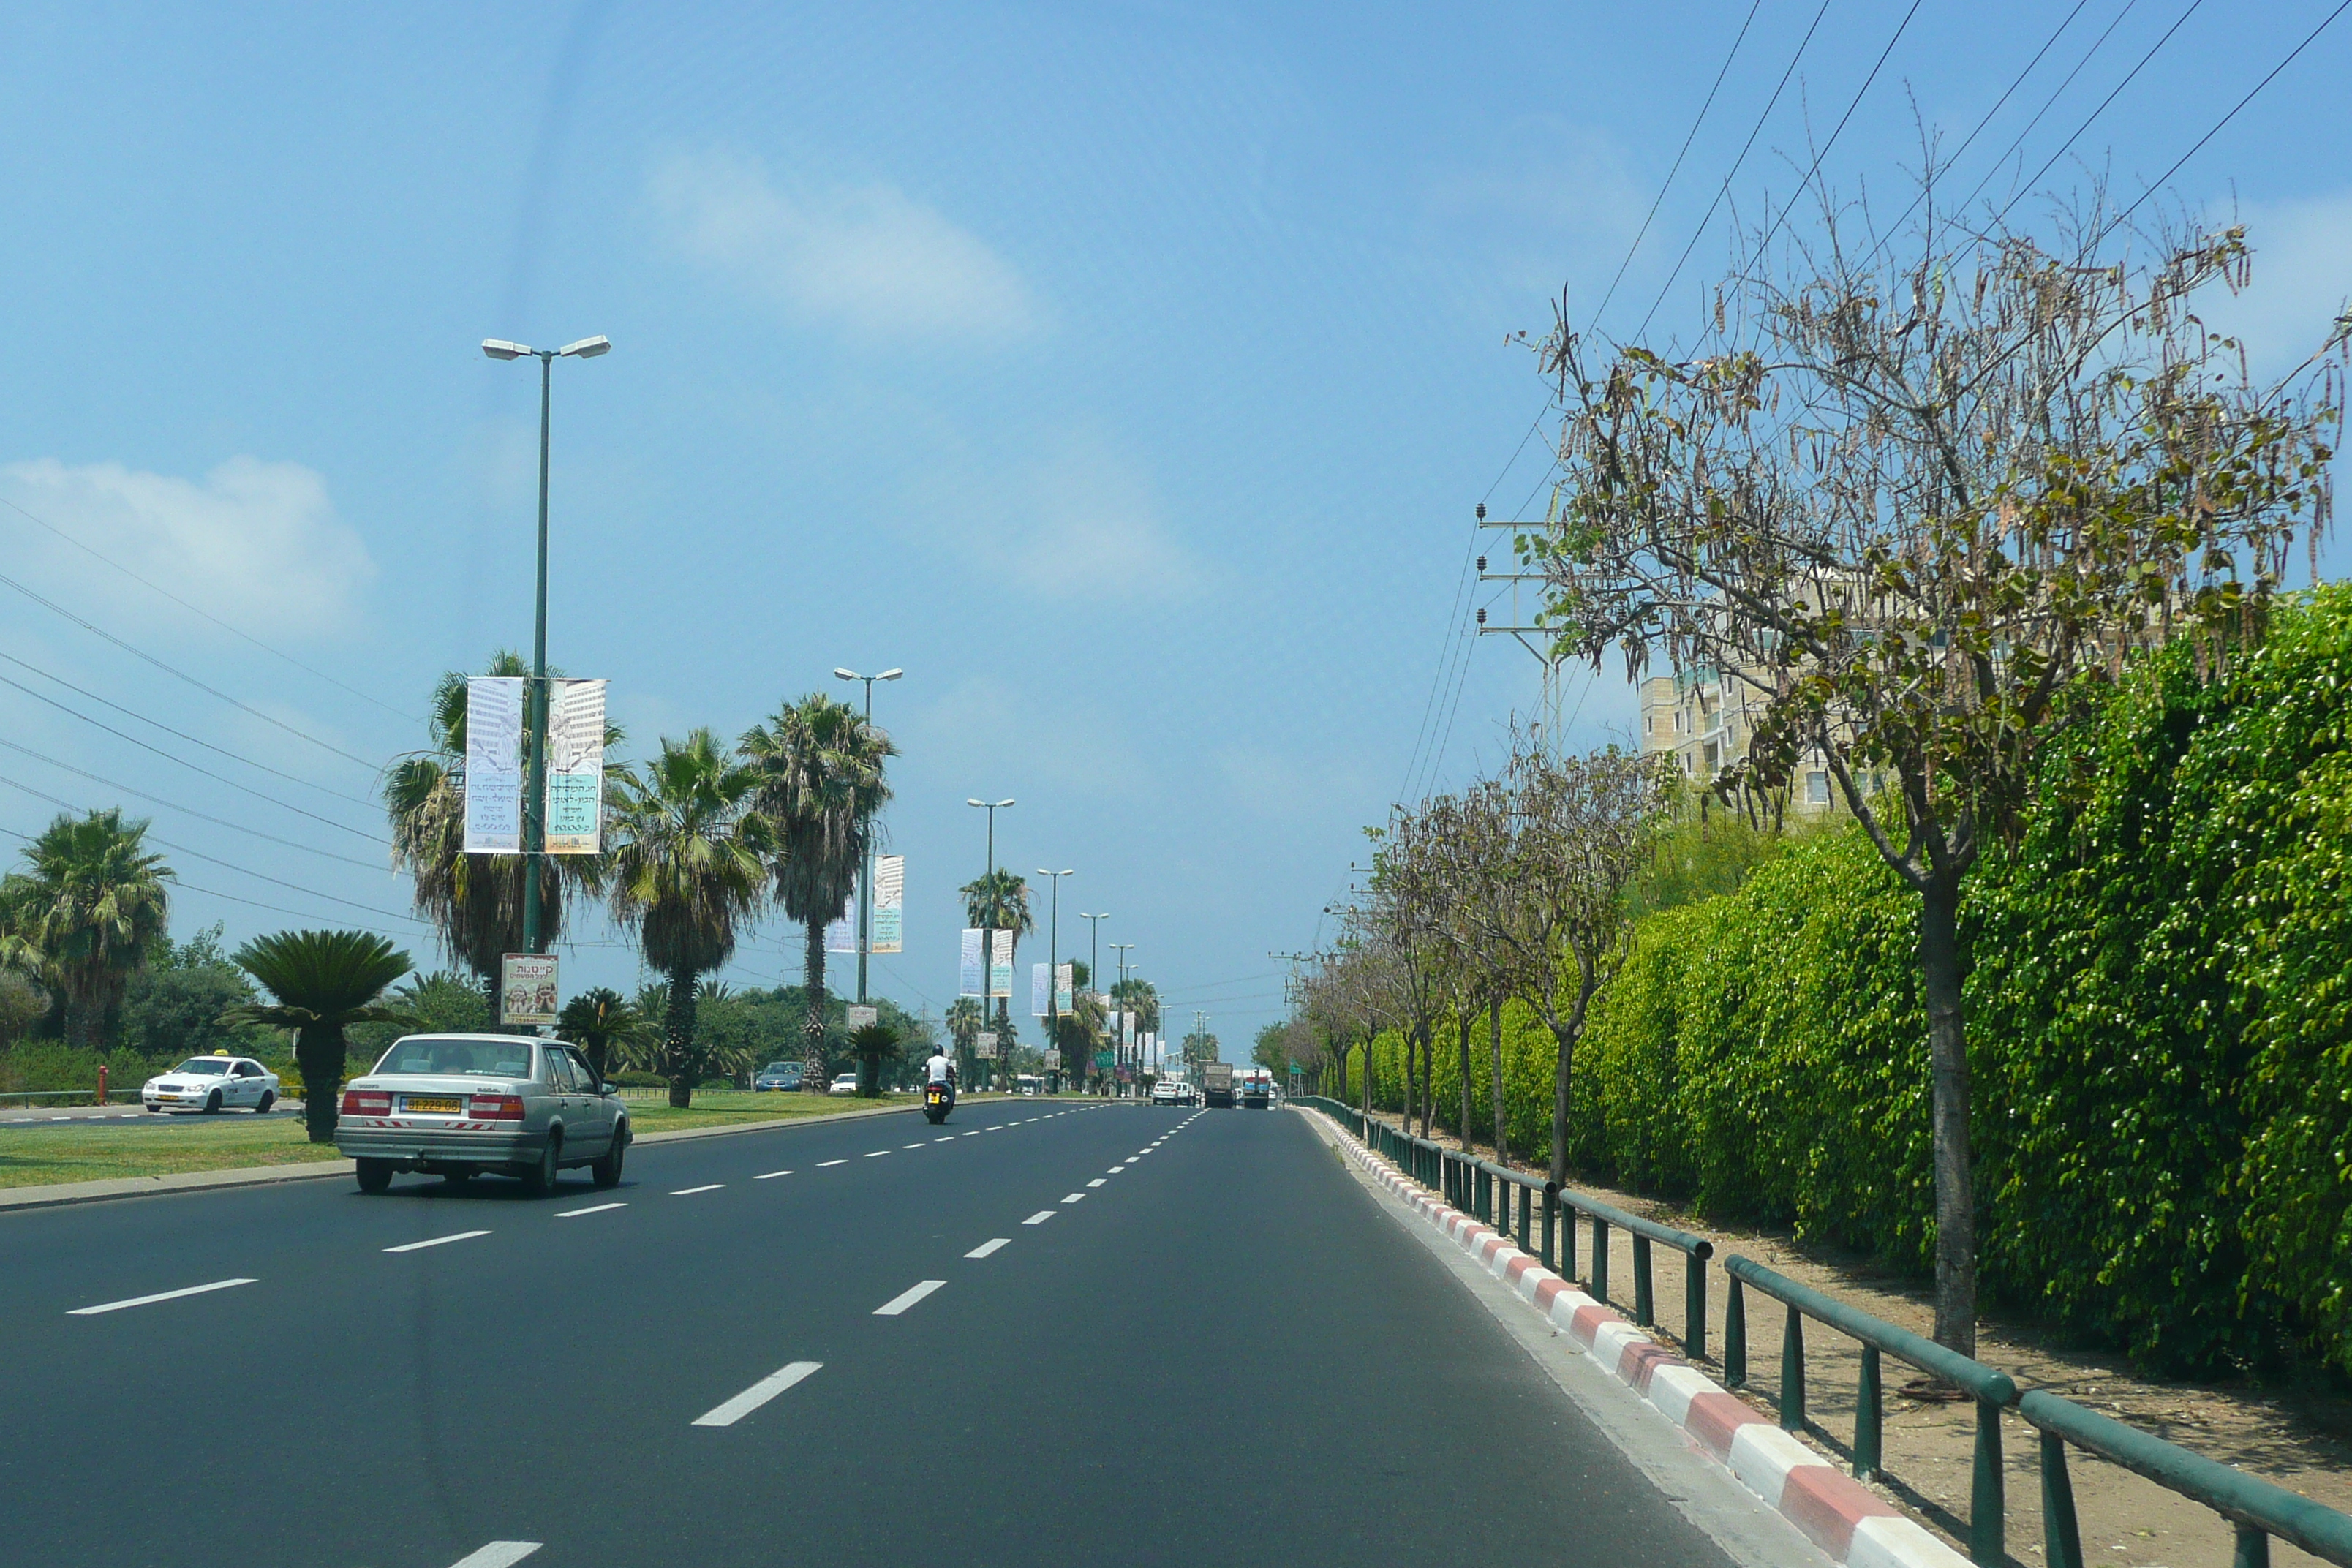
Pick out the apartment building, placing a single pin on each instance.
(1704, 721)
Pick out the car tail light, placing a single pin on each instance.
(361, 1103)
(497, 1108)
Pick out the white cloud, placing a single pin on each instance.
(257, 544)
(864, 257)
(1090, 525)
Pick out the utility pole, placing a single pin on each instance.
(866, 855)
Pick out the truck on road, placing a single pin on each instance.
(1217, 1085)
(1257, 1087)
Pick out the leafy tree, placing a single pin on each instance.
(604, 1024)
(1903, 496)
(22, 1003)
(85, 914)
(176, 1011)
(820, 764)
(688, 870)
(324, 982)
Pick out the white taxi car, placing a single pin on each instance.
(211, 1083)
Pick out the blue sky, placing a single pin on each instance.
(1124, 374)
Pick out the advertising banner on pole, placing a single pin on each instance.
(527, 992)
(494, 764)
(969, 983)
(1000, 966)
(575, 767)
(1040, 989)
(864, 1017)
(1062, 982)
(984, 1044)
(1053, 1058)
(890, 897)
(841, 932)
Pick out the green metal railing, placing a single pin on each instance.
(2256, 1510)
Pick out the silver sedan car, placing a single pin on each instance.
(457, 1105)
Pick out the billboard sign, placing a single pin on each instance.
(494, 764)
(526, 993)
(864, 1017)
(575, 767)
(1000, 968)
(968, 983)
(890, 897)
(984, 1044)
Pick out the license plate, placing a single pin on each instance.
(437, 1104)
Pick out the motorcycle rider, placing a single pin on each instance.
(941, 1069)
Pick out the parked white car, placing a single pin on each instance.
(846, 1084)
(211, 1083)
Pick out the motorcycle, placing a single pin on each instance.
(938, 1098)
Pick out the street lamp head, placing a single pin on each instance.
(969, 801)
(891, 675)
(1006, 801)
(498, 348)
(587, 348)
(841, 674)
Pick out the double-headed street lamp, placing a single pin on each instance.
(1119, 1056)
(988, 911)
(534, 804)
(1094, 952)
(1053, 959)
(865, 859)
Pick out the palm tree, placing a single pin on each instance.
(875, 1044)
(821, 783)
(1000, 901)
(325, 981)
(473, 901)
(690, 866)
(83, 917)
(604, 1024)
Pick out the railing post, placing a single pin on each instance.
(1792, 1371)
(2061, 1535)
(1645, 1307)
(2254, 1548)
(1695, 1306)
(1988, 1509)
(1735, 1334)
(1867, 1420)
(1523, 1196)
(1567, 1237)
(1600, 1259)
(1551, 1218)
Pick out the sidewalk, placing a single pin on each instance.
(2297, 1439)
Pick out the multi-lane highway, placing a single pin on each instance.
(1052, 1331)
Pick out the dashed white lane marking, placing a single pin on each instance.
(948, 1137)
(756, 1395)
(822, 1162)
(1041, 1216)
(911, 1145)
(769, 1176)
(592, 1208)
(973, 1134)
(498, 1555)
(690, 1191)
(159, 1296)
(1074, 1199)
(985, 1248)
(1115, 1170)
(1097, 1182)
(437, 1241)
(875, 1153)
(905, 1298)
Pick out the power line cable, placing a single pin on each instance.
(95, 630)
(2165, 38)
(2048, 103)
(196, 610)
(187, 886)
(188, 810)
(192, 767)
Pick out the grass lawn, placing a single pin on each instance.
(36, 1155)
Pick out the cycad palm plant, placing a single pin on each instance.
(821, 783)
(84, 913)
(324, 980)
(604, 1024)
(689, 867)
(473, 901)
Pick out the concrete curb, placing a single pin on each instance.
(16, 1199)
(1832, 1510)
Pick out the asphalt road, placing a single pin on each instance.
(1053, 1332)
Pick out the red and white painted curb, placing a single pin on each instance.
(1836, 1512)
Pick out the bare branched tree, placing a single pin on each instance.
(1908, 492)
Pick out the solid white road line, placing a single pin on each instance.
(905, 1298)
(1074, 1199)
(1041, 1216)
(159, 1296)
(439, 1241)
(822, 1164)
(769, 1176)
(592, 1208)
(690, 1191)
(985, 1248)
(1097, 1181)
(498, 1555)
(756, 1395)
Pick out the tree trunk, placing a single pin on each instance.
(318, 1052)
(678, 1038)
(1566, 1033)
(1502, 1132)
(1463, 1021)
(1428, 1096)
(812, 1026)
(1947, 1054)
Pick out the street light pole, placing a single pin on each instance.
(1094, 953)
(1119, 1051)
(987, 913)
(534, 803)
(866, 853)
(1054, 960)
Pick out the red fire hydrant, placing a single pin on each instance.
(101, 1083)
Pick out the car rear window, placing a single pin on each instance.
(460, 1058)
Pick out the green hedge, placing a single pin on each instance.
(2160, 1027)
